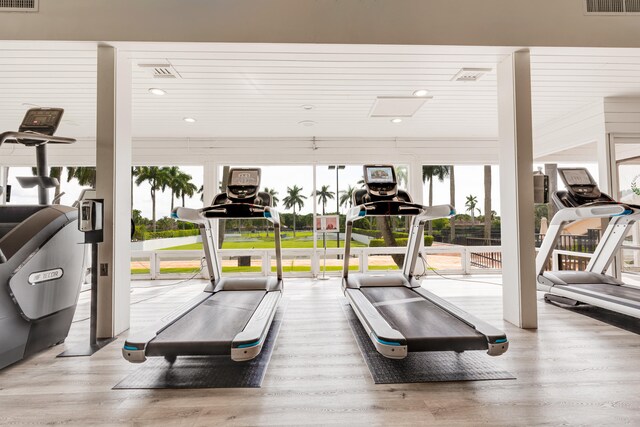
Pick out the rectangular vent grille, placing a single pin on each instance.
(612, 7)
(18, 5)
(160, 71)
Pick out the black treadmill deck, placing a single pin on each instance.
(210, 327)
(425, 325)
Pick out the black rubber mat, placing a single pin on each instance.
(422, 367)
(205, 371)
(622, 321)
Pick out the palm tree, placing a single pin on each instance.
(487, 201)
(346, 196)
(323, 196)
(470, 204)
(294, 199)
(274, 195)
(184, 187)
(171, 181)
(157, 178)
(86, 176)
(429, 173)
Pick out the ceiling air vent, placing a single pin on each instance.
(160, 71)
(19, 5)
(612, 7)
(470, 74)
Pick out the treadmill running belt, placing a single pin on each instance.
(625, 292)
(426, 326)
(210, 327)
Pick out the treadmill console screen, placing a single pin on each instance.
(245, 177)
(42, 120)
(579, 183)
(243, 183)
(380, 180)
(576, 177)
(380, 174)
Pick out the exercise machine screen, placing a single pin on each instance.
(576, 177)
(380, 181)
(243, 183)
(245, 177)
(42, 120)
(380, 175)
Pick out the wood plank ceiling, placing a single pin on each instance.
(250, 90)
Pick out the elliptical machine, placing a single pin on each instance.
(41, 255)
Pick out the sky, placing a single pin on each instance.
(469, 181)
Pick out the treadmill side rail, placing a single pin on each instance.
(496, 339)
(388, 341)
(248, 344)
(135, 346)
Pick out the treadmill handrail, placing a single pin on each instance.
(566, 215)
(201, 217)
(425, 213)
(45, 139)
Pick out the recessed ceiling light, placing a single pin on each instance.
(396, 120)
(189, 120)
(421, 92)
(308, 107)
(156, 91)
(307, 123)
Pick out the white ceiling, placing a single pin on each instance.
(253, 90)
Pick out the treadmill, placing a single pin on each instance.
(233, 314)
(397, 313)
(581, 200)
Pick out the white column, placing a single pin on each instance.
(113, 177)
(607, 176)
(210, 182)
(415, 182)
(516, 190)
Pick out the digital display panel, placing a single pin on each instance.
(379, 175)
(576, 177)
(245, 178)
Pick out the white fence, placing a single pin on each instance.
(309, 262)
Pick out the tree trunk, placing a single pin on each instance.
(172, 197)
(389, 240)
(294, 221)
(430, 226)
(452, 202)
(153, 208)
(183, 200)
(222, 226)
(487, 202)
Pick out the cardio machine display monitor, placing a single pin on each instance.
(243, 183)
(380, 174)
(42, 120)
(579, 183)
(380, 180)
(572, 177)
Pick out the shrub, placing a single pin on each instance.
(170, 233)
(402, 241)
(371, 233)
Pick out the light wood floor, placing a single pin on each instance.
(572, 371)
